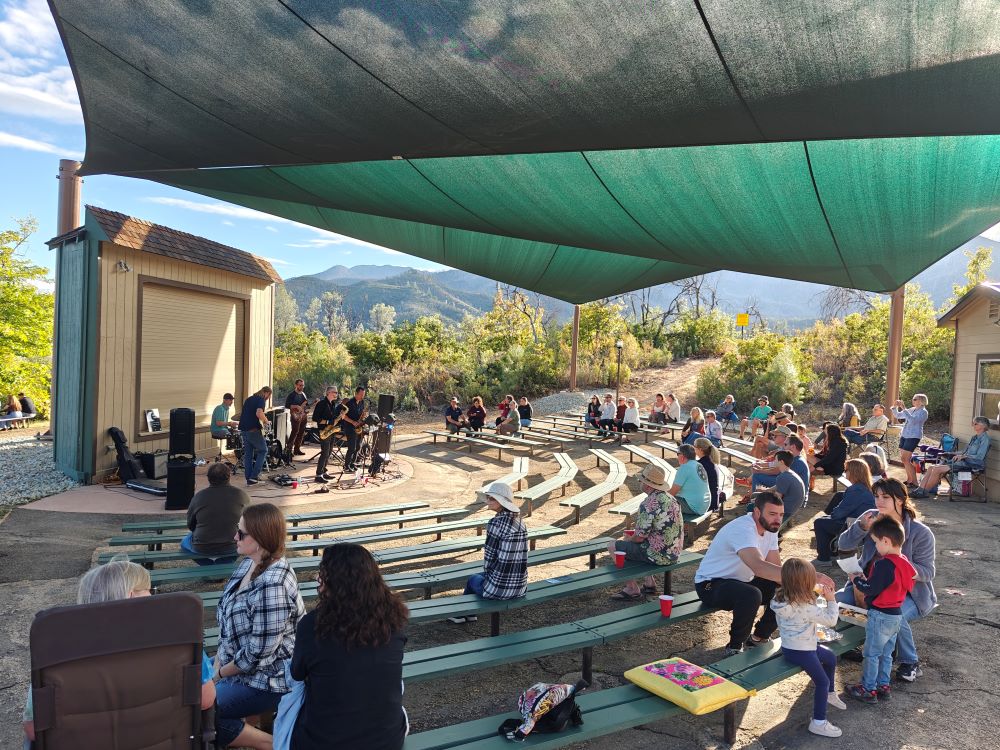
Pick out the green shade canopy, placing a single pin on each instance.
(579, 149)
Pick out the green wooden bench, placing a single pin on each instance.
(191, 573)
(315, 545)
(515, 440)
(443, 607)
(565, 436)
(456, 574)
(294, 519)
(614, 710)
(517, 473)
(567, 471)
(469, 441)
(615, 479)
(155, 541)
(731, 453)
(664, 446)
(635, 450)
(692, 522)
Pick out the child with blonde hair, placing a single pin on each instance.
(798, 614)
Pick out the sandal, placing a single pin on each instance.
(624, 596)
(650, 590)
(745, 500)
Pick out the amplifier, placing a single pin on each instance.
(180, 485)
(154, 464)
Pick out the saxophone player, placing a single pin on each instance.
(352, 421)
(325, 412)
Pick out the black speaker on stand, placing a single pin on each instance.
(180, 460)
(386, 403)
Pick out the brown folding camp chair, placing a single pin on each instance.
(119, 675)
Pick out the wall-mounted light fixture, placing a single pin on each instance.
(123, 266)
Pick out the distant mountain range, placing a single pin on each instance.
(454, 294)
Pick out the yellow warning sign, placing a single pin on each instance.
(742, 319)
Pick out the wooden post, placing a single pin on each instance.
(67, 219)
(894, 359)
(576, 346)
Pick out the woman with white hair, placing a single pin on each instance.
(973, 458)
(630, 422)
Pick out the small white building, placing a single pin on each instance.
(975, 387)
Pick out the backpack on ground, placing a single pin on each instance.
(546, 709)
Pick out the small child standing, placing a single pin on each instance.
(798, 615)
(889, 579)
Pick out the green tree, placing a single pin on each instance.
(26, 319)
(976, 272)
(286, 309)
(382, 317)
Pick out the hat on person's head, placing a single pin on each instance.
(502, 493)
(655, 477)
(782, 430)
(229, 397)
(782, 417)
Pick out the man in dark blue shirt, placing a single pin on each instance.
(351, 427)
(252, 420)
(454, 417)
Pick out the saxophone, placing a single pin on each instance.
(334, 427)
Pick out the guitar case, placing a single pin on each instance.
(130, 470)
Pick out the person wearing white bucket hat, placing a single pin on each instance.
(505, 554)
(658, 536)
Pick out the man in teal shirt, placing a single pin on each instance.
(690, 485)
(220, 418)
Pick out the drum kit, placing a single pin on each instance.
(278, 452)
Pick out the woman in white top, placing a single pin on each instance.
(673, 408)
(658, 412)
(630, 422)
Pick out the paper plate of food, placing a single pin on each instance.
(854, 615)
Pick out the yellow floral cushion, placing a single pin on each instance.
(691, 687)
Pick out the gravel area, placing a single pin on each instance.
(28, 472)
(560, 402)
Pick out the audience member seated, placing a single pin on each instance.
(454, 417)
(116, 580)
(831, 458)
(257, 615)
(607, 421)
(807, 443)
(690, 485)
(524, 411)
(593, 418)
(713, 428)
(658, 411)
(658, 536)
(349, 654)
(630, 420)
(766, 470)
(620, 413)
(726, 411)
(11, 413)
(787, 485)
(27, 405)
(873, 430)
(505, 407)
(694, 428)
(918, 547)
(505, 554)
(741, 570)
(972, 459)
(849, 416)
(877, 459)
(510, 422)
(789, 410)
(912, 433)
(708, 457)
(768, 442)
(673, 411)
(476, 414)
(849, 504)
(756, 419)
(213, 516)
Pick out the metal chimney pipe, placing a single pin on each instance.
(70, 183)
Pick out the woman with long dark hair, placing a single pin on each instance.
(349, 653)
(831, 458)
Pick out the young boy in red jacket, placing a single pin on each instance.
(889, 579)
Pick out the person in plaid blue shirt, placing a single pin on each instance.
(257, 615)
(505, 555)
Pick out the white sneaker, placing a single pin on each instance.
(832, 699)
(824, 729)
(460, 620)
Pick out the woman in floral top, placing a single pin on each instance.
(659, 533)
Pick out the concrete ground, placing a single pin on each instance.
(42, 553)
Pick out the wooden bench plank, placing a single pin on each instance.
(292, 518)
(617, 475)
(567, 472)
(517, 474)
(470, 441)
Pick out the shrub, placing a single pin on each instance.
(704, 335)
(766, 364)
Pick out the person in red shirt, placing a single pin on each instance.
(888, 580)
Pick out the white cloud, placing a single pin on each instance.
(228, 223)
(270, 229)
(43, 285)
(276, 261)
(219, 209)
(993, 233)
(330, 239)
(30, 144)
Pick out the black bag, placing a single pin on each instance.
(545, 708)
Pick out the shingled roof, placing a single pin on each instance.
(137, 234)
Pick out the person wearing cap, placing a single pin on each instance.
(765, 471)
(756, 419)
(454, 417)
(690, 485)
(505, 554)
(659, 532)
(777, 423)
(873, 430)
(221, 421)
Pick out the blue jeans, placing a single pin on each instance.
(525, 423)
(187, 544)
(234, 701)
(821, 665)
(762, 480)
(880, 641)
(475, 584)
(906, 647)
(255, 448)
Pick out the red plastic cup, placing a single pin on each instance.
(619, 559)
(666, 604)
(295, 484)
(629, 533)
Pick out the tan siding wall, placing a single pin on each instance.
(977, 335)
(119, 335)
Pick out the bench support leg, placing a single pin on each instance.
(531, 544)
(729, 723)
(593, 560)
(427, 592)
(588, 664)
(668, 582)
(577, 509)
(494, 623)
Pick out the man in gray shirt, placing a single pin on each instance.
(213, 516)
(788, 485)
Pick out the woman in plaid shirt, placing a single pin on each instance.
(505, 555)
(257, 615)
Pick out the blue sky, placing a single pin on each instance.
(40, 122)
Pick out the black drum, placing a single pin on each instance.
(234, 441)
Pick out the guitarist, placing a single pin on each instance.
(325, 413)
(297, 404)
(352, 426)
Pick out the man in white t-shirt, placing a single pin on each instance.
(741, 570)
